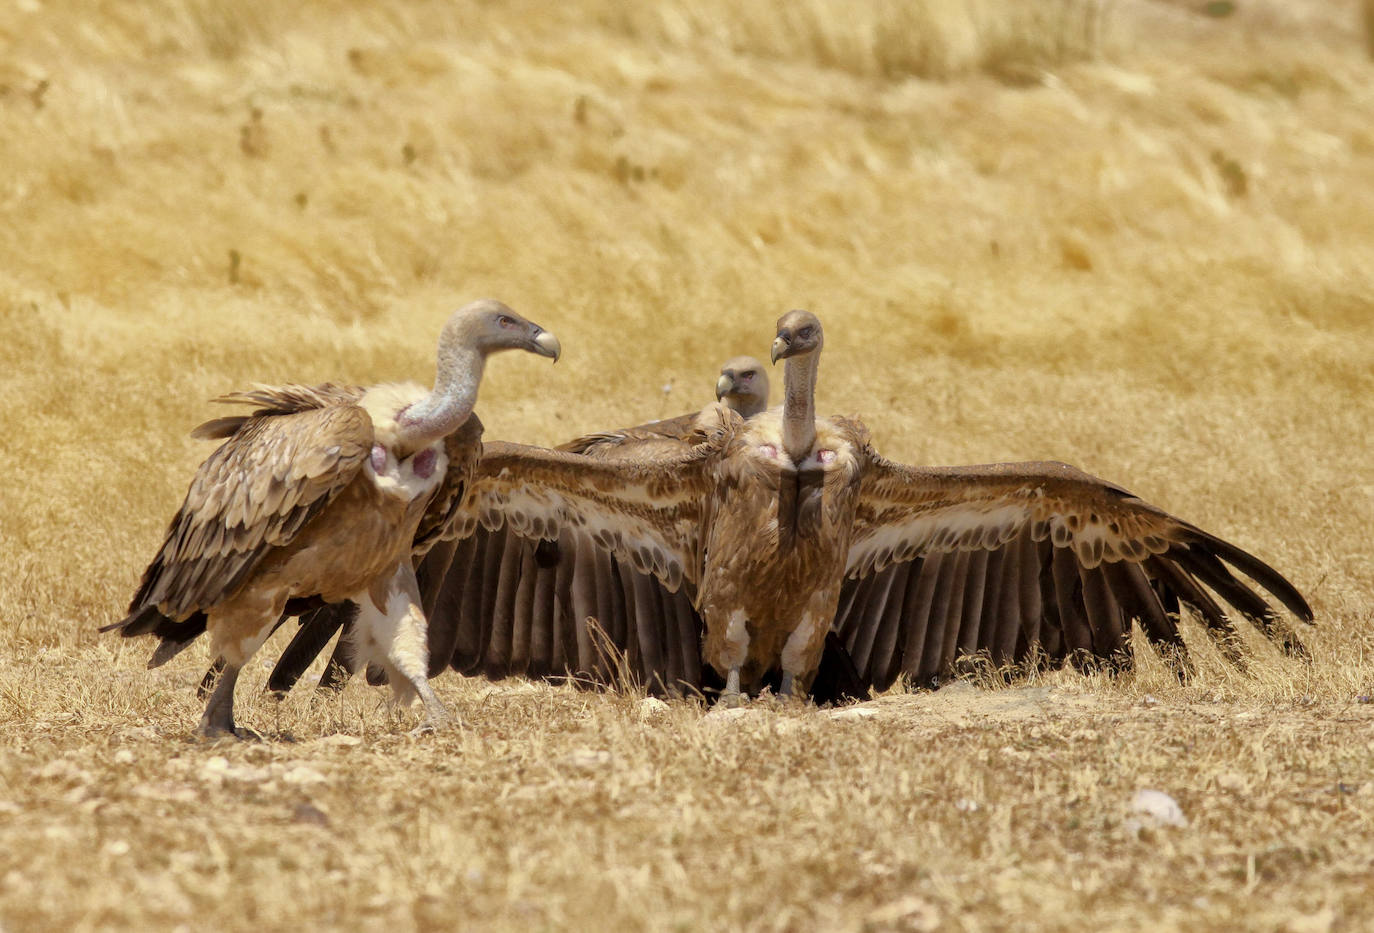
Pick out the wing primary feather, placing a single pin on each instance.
(649, 628)
(443, 576)
(996, 581)
(564, 642)
(500, 631)
(1007, 600)
(1257, 570)
(467, 646)
(316, 628)
(523, 611)
(1032, 609)
(1183, 587)
(542, 613)
(954, 613)
(849, 613)
(1068, 598)
(885, 641)
(933, 650)
(916, 637)
(1103, 615)
(869, 606)
(972, 613)
(689, 634)
(583, 592)
(1128, 577)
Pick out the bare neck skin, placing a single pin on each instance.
(443, 410)
(799, 405)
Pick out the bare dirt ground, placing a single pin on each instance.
(1136, 236)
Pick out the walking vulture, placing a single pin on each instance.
(321, 495)
(787, 526)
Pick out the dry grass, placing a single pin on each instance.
(1126, 235)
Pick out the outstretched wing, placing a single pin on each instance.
(654, 440)
(1023, 560)
(254, 493)
(648, 513)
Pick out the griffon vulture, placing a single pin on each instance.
(742, 387)
(322, 495)
(787, 526)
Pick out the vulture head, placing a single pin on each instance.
(473, 332)
(799, 334)
(488, 326)
(743, 385)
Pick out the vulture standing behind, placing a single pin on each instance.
(742, 387)
(321, 495)
(787, 526)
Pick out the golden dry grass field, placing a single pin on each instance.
(1137, 236)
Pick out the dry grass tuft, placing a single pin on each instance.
(1133, 236)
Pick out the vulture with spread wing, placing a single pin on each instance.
(321, 495)
(742, 387)
(786, 527)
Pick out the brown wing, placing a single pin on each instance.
(317, 627)
(542, 540)
(552, 539)
(255, 492)
(667, 438)
(1024, 560)
(648, 513)
(276, 400)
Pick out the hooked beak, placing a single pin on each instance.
(546, 344)
(780, 347)
(723, 386)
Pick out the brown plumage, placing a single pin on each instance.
(742, 387)
(786, 526)
(776, 534)
(321, 495)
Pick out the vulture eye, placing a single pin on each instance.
(805, 332)
(506, 320)
(747, 376)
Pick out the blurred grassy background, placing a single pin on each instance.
(1132, 235)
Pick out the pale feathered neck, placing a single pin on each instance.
(443, 411)
(799, 405)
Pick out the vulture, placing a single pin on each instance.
(743, 555)
(321, 495)
(742, 387)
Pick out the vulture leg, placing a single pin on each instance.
(730, 697)
(218, 720)
(396, 639)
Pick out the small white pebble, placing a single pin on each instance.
(1158, 807)
(853, 713)
(124, 757)
(965, 805)
(117, 847)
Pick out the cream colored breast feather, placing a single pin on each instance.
(383, 403)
